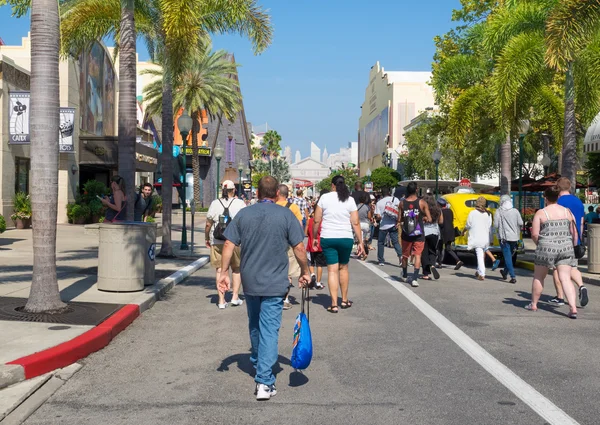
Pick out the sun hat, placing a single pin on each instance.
(481, 202)
(228, 184)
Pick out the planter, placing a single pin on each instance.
(79, 220)
(96, 218)
(23, 223)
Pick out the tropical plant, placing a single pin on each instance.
(349, 176)
(383, 177)
(271, 146)
(256, 176)
(80, 213)
(21, 206)
(2, 224)
(278, 168)
(207, 84)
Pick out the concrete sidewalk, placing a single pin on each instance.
(32, 347)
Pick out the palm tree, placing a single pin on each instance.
(206, 83)
(44, 295)
(173, 29)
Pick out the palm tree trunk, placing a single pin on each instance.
(505, 165)
(44, 295)
(569, 150)
(166, 158)
(195, 162)
(127, 102)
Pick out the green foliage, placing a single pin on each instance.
(70, 212)
(384, 177)
(271, 143)
(96, 207)
(156, 203)
(281, 169)
(150, 220)
(80, 212)
(256, 176)
(93, 188)
(349, 176)
(21, 206)
(87, 204)
(2, 224)
(592, 166)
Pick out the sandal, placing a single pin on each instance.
(572, 315)
(346, 304)
(530, 307)
(332, 309)
(426, 277)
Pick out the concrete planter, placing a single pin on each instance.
(22, 223)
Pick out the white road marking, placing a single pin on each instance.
(529, 395)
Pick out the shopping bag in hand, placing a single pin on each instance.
(302, 344)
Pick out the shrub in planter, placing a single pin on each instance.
(92, 189)
(150, 220)
(2, 224)
(70, 212)
(22, 210)
(80, 213)
(156, 205)
(96, 210)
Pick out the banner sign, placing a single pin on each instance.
(18, 115)
(67, 120)
(202, 151)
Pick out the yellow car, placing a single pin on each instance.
(461, 205)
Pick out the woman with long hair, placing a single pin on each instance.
(116, 203)
(338, 214)
(479, 224)
(432, 237)
(365, 216)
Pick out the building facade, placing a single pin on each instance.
(392, 100)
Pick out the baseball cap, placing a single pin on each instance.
(228, 184)
(442, 202)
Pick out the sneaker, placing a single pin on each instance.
(495, 265)
(557, 301)
(287, 305)
(381, 263)
(436, 274)
(513, 280)
(480, 277)
(458, 265)
(414, 283)
(313, 281)
(583, 296)
(504, 274)
(222, 306)
(319, 285)
(265, 392)
(236, 303)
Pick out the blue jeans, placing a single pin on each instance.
(507, 251)
(264, 321)
(393, 232)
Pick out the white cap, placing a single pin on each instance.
(228, 184)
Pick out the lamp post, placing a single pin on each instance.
(437, 156)
(546, 161)
(218, 152)
(247, 171)
(521, 138)
(184, 123)
(240, 170)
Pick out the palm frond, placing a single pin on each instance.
(466, 110)
(587, 81)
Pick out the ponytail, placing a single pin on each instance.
(340, 187)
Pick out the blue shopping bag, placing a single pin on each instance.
(302, 349)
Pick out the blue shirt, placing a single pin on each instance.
(573, 203)
(590, 217)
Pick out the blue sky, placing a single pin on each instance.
(309, 85)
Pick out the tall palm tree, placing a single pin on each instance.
(174, 29)
(206, 83)
(44, 295)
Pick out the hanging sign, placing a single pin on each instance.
(18, 116)
(65, 133)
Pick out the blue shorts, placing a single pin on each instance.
(337, 250)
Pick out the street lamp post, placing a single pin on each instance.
(240, 170)
(546, 161)
(248, 172)
(184, 123)
(218, 155)
(437, 156)
(521, 138)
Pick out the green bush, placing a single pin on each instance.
(2, 224)
(150, 220)
(81, 212)
(70, 212)
(92, 189)
(156, 203)
(96, 207)
(21, 206)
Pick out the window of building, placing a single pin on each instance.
(22, 166)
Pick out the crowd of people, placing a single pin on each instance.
(338, 224)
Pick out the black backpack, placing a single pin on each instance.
(224, 220)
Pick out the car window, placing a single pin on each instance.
(493, 205)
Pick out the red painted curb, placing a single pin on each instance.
(79, 347)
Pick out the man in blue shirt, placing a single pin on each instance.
(264, 231)
(573, 203)
(591, 215)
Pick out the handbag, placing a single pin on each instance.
(457, 233)
(579, 249)
(302, 349)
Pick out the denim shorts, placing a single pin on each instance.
(337, 250)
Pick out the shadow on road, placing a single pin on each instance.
(9, 241)
(245, 365)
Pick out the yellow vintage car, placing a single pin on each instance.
(461, 205)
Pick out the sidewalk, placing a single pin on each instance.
(526, 261)
(30, 349)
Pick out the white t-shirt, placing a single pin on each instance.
(336, 216)
(216, 210)
(386, 221)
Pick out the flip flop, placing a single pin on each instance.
(346, 304)
(530, 307)
(331, 309)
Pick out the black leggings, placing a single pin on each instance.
(447, 247)
(429, 253)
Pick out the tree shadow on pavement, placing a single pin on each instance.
(245, 365)
(9, 241)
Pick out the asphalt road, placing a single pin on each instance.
(382, 362)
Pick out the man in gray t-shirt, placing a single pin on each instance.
(264, 231)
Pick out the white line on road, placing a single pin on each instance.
(529, 395)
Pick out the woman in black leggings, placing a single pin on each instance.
(432, 237)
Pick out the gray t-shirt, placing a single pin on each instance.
(363, 212)
(264, 231)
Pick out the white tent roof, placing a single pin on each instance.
(593, 134)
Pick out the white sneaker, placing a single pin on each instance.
(237, 302)
(222, 306)
(319, 285)
(265, 392)
(414, 283)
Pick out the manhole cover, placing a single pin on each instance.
(77, 313)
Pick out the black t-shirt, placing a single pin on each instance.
(357, 194)
(413, 209)
(448, 234)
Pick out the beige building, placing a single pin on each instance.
(392, 100)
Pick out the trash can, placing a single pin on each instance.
(150, 254)
(122, 254)
(593, 248)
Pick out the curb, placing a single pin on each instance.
(586, 279)
(95, 339)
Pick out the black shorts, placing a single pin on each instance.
(317, 259)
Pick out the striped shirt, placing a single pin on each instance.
(302, 204)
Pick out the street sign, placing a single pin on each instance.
(369, 187)
(465, 183)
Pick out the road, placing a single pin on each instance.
(383, 361)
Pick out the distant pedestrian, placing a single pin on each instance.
(554, 234)
(591, 215)
(432, 237)
(316, 259)
(221, 212)
(414, 213)
(386, 212)
(358, 192)
(448, 235)
(302, 206)
(479, 224)
(143, 203)
(365, 216)
(116, 203)
(508, 224)
(264, 231)
(337, 211)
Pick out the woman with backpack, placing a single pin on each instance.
(219, 215)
